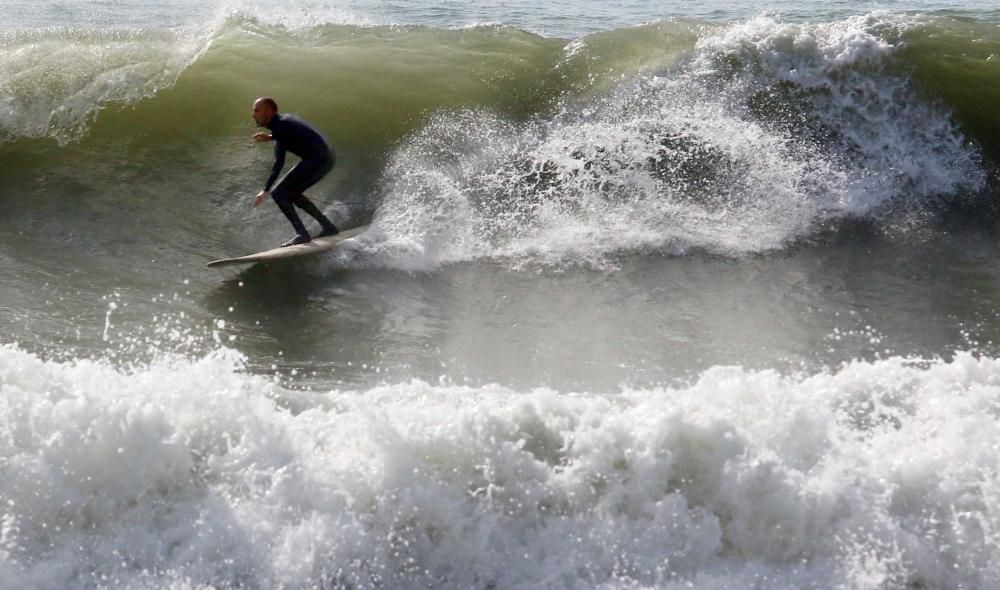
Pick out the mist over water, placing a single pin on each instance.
(653, 297)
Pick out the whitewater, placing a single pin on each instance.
(880, 474)
(654, 296)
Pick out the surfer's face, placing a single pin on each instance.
(262, 113)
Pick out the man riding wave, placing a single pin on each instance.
(317, 159)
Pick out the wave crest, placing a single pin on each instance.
(766, 132)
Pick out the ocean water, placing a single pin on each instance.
(655, 295)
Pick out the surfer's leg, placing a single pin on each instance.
(302, 202)
(283, 200)
(306, 174)
(289, 190)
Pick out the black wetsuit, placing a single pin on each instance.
(296, 136)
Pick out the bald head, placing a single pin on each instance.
(264, 109)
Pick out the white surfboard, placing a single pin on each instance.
(316, 246)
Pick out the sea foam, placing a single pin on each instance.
(189, 472)
(764, 134)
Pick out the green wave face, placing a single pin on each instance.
(375, 84)
(958, 61)
(716, 129)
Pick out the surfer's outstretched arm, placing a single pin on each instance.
(279, 163)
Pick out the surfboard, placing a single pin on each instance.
(316, 246)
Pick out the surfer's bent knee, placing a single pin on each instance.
(280, 195)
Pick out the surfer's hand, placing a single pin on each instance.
(262, 136)
(260, 198)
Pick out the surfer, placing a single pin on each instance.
(317, 159)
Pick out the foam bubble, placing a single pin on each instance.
(190, 473)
